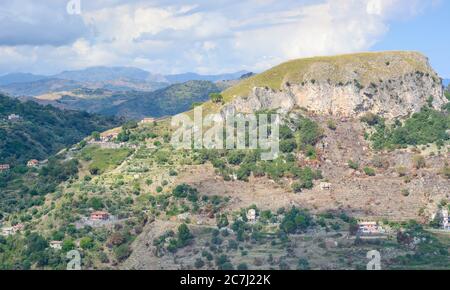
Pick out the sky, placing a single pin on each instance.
(211, 37)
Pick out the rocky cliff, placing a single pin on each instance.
(391, 84)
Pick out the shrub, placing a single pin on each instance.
(216, 97)
(371, 119)
(242, 267)
(303, 264)
(199, 263)
(122, 252)
(353, 165)
(184, 236)
(369, 171)
(86, 243)
(419, 161)
(331, 125)
(297, 187)
(405, 192)
(401, 171)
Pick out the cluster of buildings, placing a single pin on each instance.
(33, 163)
(370, 229)
(99, 216)
(148, 121)
(14, 117)
(4, 167)
(8, 231)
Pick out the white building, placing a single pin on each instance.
(251, 215)
(445, 224)
(7, 231)
(13, 117)
(57, 245)
(370, 228)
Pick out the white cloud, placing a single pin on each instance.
(175, 36)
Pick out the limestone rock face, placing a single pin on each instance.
(398, 93)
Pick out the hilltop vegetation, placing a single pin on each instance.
(42, 131)
(341, 69)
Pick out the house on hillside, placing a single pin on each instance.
(4, 167)
(370, 229)
(251, 215)
(99, 216)
(108, 137)
(7, 231)
(32, 163)
(57, 245)
(445, 224)
(14, 117)
(148, 121)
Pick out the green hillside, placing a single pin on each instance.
(341, 68)
(164, 102)
(42, 131)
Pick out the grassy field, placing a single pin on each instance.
(104, 159)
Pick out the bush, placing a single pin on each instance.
(296, 221)
(122, 252)
(242, 267)
(419, 161)
(216, 98)
(331, 125)
(86, 243)
(369, 171)
(199, 263)
(371, 119)
(184, 236)
(353, 165)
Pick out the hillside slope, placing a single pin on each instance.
(164, 102)
(42, 131)
(392, 84)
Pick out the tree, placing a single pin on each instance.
(199, 263)
(184, 235)
(86, 243)
(216, 97)
(122, 252)
(96, 203)
(68, 245)
(95, 135)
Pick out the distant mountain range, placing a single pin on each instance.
(166, 101)
(110, 78)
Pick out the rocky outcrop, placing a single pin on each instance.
(390, 95)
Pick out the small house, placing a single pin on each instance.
(251, 215)
(147, 121)
(4, 167)
(7, 231)
(108, 137)
(445, 224)
(99, 216)
(13, 117)
(57, 245)
(370, 228)
(32, 163)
